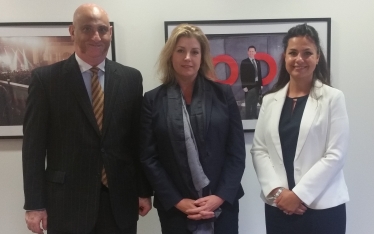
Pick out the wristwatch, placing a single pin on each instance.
(276, 195)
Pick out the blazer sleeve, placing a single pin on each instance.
(262, 163)
(331, 163)
(158, 177)
(143, 187)
(35, 144)
(234, 164)
(259, 73)
(244, 74)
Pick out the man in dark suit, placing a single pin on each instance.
(92, 182)
(250, 75)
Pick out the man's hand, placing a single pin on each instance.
(205, 207)
(289, 202)
(145, 205)
(245, 89)
(34, 218)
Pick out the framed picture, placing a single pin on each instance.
(23, 47)
(233, 42)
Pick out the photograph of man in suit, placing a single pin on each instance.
(80, 148)
(250, 75)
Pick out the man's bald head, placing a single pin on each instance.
(91, 33)
(89, 8)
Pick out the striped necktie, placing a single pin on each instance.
(98, 107)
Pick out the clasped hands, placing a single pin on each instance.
(290, 203)
(202, 208)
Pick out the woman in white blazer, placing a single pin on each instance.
(300, 143)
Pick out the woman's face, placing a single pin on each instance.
(186, 58)
(301, 58)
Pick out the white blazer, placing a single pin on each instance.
(320, 152)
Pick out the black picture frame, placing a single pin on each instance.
(228, 37)
(23, 47)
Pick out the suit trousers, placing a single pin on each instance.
(251, 100)
(105, 224)
(326, 221)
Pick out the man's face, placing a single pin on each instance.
(92, 34)
(251, 53)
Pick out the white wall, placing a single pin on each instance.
(139, 38)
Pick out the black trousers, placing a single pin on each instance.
(326, 221)
(174, 221)
(105, 223)
(251, 100)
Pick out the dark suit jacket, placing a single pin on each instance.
(60, 126)
(222, 157)
(248, 74)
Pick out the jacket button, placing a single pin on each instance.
(102, 150)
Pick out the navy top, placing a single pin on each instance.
(188, 107)
(289, 126)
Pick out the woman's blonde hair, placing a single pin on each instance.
(165, 66)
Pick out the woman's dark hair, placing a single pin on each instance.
(321, 72)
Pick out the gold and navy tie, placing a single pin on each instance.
(98, 108)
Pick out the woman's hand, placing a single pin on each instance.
(290, 203)
(300, 210)
(185, 204)
(205, 207)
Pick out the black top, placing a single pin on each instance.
(289, 126)
(188, 107)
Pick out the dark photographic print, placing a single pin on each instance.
(18, 57)
(24, 47)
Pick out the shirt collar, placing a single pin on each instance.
(83, 66)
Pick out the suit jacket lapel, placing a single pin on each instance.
(112, 82)
(207, 105)
(275, 117)
(174, 118)
(198, 114)
(76, 83)
(310, 111)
